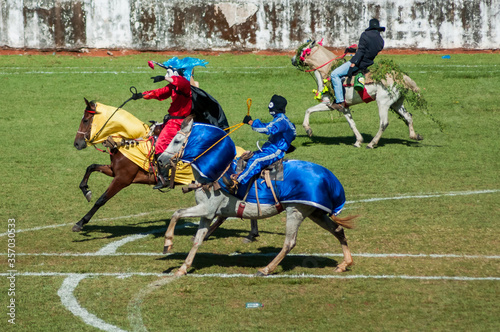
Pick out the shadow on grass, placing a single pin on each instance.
(157, 228)
(251, 260)
(350, 140)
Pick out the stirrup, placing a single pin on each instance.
(160, 182)
(231, 185)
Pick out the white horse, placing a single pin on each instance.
(218, 202)
(319, 59)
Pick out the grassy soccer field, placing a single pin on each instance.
(426, 246)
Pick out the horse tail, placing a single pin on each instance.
(410, 84)
(347, 222)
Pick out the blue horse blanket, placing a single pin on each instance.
(304, 182)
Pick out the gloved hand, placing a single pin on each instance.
(350, 49)
(136, 96)
(157, 79)
(247, 119)
(351, 71)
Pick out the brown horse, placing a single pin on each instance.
(122, 169)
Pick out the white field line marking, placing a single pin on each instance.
(134, 306)
(369, 200)
(451, 193)
(110, 251)
(142, 214)
(71, 303)
(78, 277)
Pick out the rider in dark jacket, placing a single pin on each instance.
(370, 44)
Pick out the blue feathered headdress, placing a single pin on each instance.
(184, 66)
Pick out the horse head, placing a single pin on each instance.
(207, 148)
(314, 56)
(83, 133)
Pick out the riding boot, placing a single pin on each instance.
(161, 174)
(337, 106)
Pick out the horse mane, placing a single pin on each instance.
(187, 120)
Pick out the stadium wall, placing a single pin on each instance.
(244, 25)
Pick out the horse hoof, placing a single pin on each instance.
(260, 274)
(166, 249)
(420, 137)
(370, 147)
(357, 145)
(88, 196)
(249, 239)
(76, 228)
(309, 132)
(179, 273)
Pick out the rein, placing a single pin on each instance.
(132, 89)
(337, 58)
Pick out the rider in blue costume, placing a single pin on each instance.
(281, 133)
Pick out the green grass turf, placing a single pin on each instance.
(41, 107)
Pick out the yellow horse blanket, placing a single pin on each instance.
(120, 124)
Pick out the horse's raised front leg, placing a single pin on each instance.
(195, 211)
(406, 116)
(320, 218)
(105, 169)
(116, 185)
(318, 108)
(352, 124)
(198, 240)
(295, 214)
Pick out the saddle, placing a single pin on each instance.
(349, 81)
(275, 170)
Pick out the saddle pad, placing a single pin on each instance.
(350, 82)
(141, 154)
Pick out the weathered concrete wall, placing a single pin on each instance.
(245, 24)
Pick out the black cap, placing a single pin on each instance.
(277, 105)
(375, 25)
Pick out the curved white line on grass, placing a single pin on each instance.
(241, 275)
(452, 193)
(71, 303)
(134, 306)
(111, 248)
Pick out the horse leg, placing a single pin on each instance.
(383, 100)
(213, 227)
(295, 214)
(200, 235)
(254, 232)
(320, 218)
(318, 108)
(406, 116)
(105, 169)
(116, 185)
(124, 171)
(352, 124)
(195, 211)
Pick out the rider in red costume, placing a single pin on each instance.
(179, 90)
